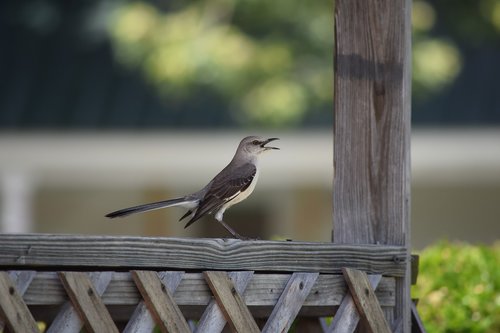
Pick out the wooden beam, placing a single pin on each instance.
(68, 319)
(290, 302)
(141, 320)
(371, 195)
(160, 302)
(263, 291)
(417, 325)
(12, 307)
(59, 252)
(366, 302)
(87, 302)
(231, 303)
(21, 280)
(213, 319)
(347, 317)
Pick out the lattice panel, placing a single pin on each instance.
(176, 301)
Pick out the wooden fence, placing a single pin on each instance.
(183, 284)
(106, 284)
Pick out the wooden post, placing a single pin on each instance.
(372, 130)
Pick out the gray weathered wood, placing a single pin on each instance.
(366, 302)
(231, 303)
(372, 128)
(110, 252)
(347, 317)
(160, 302)
(212, 320)
(263, 290)
(22, 280)
(141, 320)
(87, 302)
(290, 302)
(12, 307)
(68, 320)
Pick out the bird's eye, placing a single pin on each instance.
(256, 142)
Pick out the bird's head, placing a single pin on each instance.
(256, 145)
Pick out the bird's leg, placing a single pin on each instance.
(231, 230)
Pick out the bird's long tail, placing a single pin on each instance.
(151, 206)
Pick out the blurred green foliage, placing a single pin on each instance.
(268, 59)
(271, 62)
(459, 288)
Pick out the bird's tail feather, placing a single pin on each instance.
(149, 206)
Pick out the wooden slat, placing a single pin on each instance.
(12, 307)
(68, 320)
(290, 302)
(415, 262)
(347, 317)
(231, 303)
(213, 320)
(372, 108)
(141, 320)
(366, 302)
(417, 325)
(21, 280)
(397, 326)
(87, 302)
(128, 253)
(263, 290)
(160, 302)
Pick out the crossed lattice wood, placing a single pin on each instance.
(232, 299)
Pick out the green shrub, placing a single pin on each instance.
(459, 288)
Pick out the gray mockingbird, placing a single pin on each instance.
(233, 184)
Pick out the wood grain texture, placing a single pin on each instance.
(13, 310)
(87, 302)
(231, 303)
(213, 320)
(68, 320)
(263, 290)
(51, 252)
(366, 302)
(290, 302)
(372, 122)
(160, 302)
(142, 321)
(372, 128)
(21, 280)
(347, 317)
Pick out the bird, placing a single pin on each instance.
(230, 186)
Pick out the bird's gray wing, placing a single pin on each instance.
(224, 187)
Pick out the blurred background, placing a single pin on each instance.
(107, 104)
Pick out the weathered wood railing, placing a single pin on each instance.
(134, 283)
(274, 280)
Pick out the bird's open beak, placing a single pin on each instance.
(263, 145)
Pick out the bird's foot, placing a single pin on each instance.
(243, 238)
(233, 232)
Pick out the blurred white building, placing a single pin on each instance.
(66, 183)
